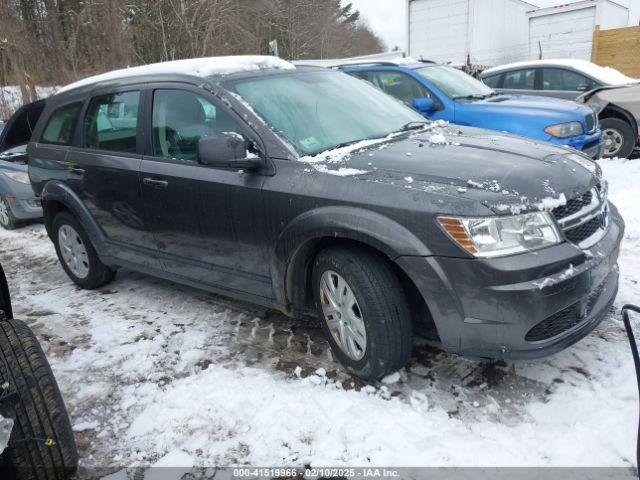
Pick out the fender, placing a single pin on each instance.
(351, 223)
(55, 190)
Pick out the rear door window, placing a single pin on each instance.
(561, 79)
(520, 79)
(111, 122)
(61, 125)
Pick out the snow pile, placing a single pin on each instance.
(438, 139)
(550, 203)
(199, 67)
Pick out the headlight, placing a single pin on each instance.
(497, 236)
(21, 177)
(563, 130)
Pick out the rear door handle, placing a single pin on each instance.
(154, 182)
(76, 171)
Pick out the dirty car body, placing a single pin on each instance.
(253, 233)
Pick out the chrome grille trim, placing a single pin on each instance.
(599, 206)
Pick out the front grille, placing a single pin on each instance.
(590, 122)
(573, 206)
(582, 232)
(564, 320)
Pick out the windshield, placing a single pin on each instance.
(320, 110)
(454, 83)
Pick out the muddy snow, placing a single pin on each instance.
(152, 371)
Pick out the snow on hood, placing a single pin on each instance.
(199, 67)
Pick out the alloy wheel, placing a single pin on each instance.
(4, 214)
(613, 141)
(73, 250)
(343, 315)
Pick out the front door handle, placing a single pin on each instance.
(76, 171)
(154, 182)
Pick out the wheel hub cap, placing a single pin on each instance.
(343, 315)
(73, 251)
(613, 141)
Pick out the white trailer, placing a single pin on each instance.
(566, 31)
(495, 32)
(481, 32)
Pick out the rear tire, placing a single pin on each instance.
(83, 266)
(618, 137)
(41, 446)
(7, 220)
(373, 314)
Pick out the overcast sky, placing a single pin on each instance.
(387, 17)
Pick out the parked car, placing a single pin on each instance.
(36, 438)
(309, 191)
(619, 109)
(563, 78)
(18, 203)
(446, 93)
(569, 78)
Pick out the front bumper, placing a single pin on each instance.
(590, 144)
(489, 307)
(26, 208)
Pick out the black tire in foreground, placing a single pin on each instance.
(620, 136)
(97, 273)
(363, 311)
(42, 446)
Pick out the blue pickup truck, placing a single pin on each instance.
(442, 92)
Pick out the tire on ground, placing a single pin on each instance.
(627, 133)
(383, 305)
(41, 446)
(10, 223)
(99, 274)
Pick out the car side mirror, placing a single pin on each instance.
(227, 150)
(424, 105)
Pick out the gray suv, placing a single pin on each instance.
(314, 193)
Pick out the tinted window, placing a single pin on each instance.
(520, 79)
(492, 81)
(111, 121)
(453, 82)
(399, 85)
(62, 122)
(559, 79)
(181, 119)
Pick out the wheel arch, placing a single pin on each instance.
(57, 197)
(306, 236)
(614, 111)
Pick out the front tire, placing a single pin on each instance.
(363, 310)
(618, 137)
(7, 220)
(77, 255)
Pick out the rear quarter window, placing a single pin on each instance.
(61, 124)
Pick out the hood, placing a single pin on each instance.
(522, 114)
(626, 97)
(15, 158)
(502, 172)
(529, 105)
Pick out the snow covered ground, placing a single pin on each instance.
(155, 371)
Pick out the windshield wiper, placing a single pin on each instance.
(415, 125)
(473, 96)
